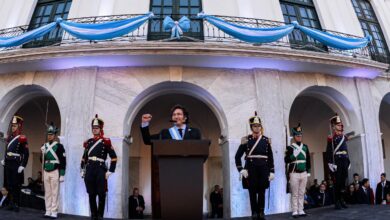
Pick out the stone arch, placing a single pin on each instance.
(37, 106)
(193, 92)
(384, 123)
(313, 107)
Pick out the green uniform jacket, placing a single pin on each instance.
(291, 160)
(50, 161)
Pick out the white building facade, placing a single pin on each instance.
(220, 80)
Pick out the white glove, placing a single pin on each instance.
(43, 149)
(82, 174)
(296, 152)
(20, 169)
(244, 173)
(308, 174)
(108, 174)
(271, 177)
(332, 167)
(62, 179)
(2, 162)
(349, 167)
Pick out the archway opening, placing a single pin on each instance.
(38, 108)
(384, 122)
(199, 98)
(140, 160)
(313, 108)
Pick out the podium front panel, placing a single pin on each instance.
(180, 165)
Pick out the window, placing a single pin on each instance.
(304, 13)
(176, 9)
(45, 12)
(370, 25)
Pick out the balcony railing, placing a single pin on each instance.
(202, 31)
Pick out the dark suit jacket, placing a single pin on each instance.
(378, 192)
(5, 202)
(322, 199)
(133, 213)
(215, 200)
(350, 198)
(190, 134)
(365, 198)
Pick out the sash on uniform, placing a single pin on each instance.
(49, 148)
(339, 145)
(255, 145)
(174, 132)
(300, 149)
(93, 146)
(12, 141)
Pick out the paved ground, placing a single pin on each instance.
(364, 212)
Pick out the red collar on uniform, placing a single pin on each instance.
(97, 137)
(335, 134)
(16, 133)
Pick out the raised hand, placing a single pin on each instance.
(146, 118)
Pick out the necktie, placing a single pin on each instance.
(383, 191)
(365, 191)
(323, 200)
(181, 132)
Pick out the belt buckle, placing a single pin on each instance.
(9, 154)
(94, 158)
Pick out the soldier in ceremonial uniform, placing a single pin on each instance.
(16, 158)
(93, 166)
(338, 159)
(297, 159)
(54, 164)
(259, 166)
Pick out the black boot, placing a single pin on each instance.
(261, 215)
(254, 215)
(10, 207)
(337, 205)
(102, 202)
(16, 209)
(343, 205)
(93, 206)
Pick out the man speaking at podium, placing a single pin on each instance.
(179, 131)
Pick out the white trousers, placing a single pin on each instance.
(298, 187)
(51, 183)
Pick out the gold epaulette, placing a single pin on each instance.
(244, 140)
(267, 139)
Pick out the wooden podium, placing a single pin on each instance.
(181, 177)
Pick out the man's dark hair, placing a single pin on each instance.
(383, 174)
(365, 180)
(185, 112)
(355, 174)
